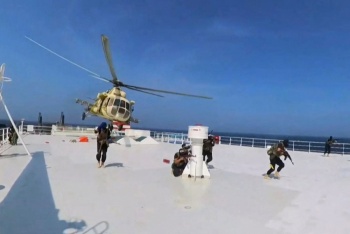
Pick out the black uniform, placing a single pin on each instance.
(208, 145)
(103, 136)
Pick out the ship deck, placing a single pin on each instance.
(59, 189)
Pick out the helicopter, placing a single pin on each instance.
(112, 104)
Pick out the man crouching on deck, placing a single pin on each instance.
(181, 160)
(275, 152)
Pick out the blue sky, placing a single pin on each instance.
(273, 67)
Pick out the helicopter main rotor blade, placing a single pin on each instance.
(145, 92)
(102, 78)
(60, 56)
(165, 91)
(115, 80)
(121, 84)
(107, 51)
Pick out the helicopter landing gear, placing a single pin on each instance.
(83, 116)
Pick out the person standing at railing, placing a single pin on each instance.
(275, 152)
(13, 137)
(328, 144)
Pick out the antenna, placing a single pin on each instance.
(2, 80)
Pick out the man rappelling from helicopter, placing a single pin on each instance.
(113, 104)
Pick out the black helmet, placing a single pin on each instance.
(183, 145)
(286, 143)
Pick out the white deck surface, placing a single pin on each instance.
(60, 190)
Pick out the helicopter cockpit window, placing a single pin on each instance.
(117, 102)
(120, 108)
(114, 110)
(122, 103)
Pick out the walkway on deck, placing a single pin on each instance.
(60, 190)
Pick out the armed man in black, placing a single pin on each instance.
(208, 145)
(180, 160)
(275, 152)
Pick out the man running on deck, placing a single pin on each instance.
(103, 136)
(275, 152)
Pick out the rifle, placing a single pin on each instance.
(286, 155)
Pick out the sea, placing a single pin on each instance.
(298, 143)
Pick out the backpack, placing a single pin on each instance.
(272, 149)
(103, 136)
(207, 145)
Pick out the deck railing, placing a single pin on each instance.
(179, 138)
(4, 132)
(294, 145)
